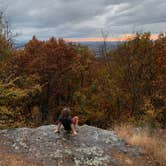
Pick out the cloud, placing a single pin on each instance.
(84, 18)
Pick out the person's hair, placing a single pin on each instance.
(65, 113)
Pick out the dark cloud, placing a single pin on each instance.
(84, 18)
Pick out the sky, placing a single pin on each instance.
(84, 19)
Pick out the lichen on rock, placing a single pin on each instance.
(91, 147)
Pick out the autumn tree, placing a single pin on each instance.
(131, 67)
(158, 99)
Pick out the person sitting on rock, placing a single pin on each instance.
(67, 121)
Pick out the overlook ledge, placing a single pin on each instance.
(41, 146)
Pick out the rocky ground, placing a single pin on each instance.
(91, 147)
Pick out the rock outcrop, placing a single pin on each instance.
(91, 147)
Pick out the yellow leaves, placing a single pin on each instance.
(18, 89)
(5, 111)
(79, 98)
(151, 113)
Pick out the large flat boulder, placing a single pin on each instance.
(91, 147)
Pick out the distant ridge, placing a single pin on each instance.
(95, 46)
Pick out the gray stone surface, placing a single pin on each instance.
(91, 147)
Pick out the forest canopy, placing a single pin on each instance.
(128, 85)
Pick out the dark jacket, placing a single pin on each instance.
(66, 122)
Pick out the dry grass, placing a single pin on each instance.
(153, 144)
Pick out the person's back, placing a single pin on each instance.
(67, 121)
